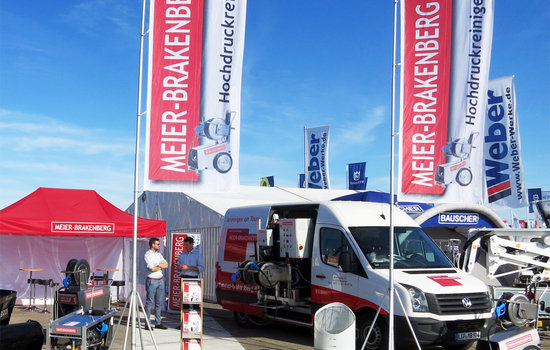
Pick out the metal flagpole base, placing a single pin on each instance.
(378, 314)
(133, 320)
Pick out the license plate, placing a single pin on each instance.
(467, 336)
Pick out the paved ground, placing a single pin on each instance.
(220, 332)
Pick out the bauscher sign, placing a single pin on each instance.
(458, 218)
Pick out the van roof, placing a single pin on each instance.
(353, 213)
(345, 213)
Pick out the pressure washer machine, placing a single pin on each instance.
(76, 293)
(81, 329)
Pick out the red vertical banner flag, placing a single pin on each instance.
(427, 31)
(175, 86)
(446, 53)
(176, 248)
(196, 50)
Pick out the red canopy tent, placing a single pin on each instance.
(63, 212)
(50, 226)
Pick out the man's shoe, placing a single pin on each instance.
(160, 326)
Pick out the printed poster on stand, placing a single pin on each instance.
(174, 285)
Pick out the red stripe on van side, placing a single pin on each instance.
(323, 296)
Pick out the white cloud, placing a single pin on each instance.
(27, 133)
(87, 16)
(362, 130)
(40, 151)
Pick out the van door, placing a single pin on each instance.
(328, 282)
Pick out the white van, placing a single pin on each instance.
(285, 261)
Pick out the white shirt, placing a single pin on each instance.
(152, 259)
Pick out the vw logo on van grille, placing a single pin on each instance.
(467, 303)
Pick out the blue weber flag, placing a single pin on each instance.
(356, 176)
(301, 181)
(534, 194)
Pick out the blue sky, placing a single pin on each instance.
(68, 90)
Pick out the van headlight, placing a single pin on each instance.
(418, 299)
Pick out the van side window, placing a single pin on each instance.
(332, 243)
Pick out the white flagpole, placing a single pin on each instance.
(392, 150)
(136, 181)
(347, 176)
(134, 297)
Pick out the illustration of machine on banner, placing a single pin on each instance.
(215, 155)
(457, 154)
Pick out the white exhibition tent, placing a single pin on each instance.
(199, 210)
(202, 213)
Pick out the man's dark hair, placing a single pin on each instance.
(153, 240)
(189, 239)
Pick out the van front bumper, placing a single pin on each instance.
(430, 331)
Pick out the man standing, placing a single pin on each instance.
(155, 282)
(190, 262)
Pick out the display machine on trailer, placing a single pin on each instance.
(85, 328)
(82, 315)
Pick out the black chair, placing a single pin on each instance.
(118, 284)
(32, 299)
(46, 284)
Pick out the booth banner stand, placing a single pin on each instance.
(176, 248)
(334, 327)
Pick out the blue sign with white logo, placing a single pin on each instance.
(534, 194)
(467, 219)
(458, 218)
(356, 176)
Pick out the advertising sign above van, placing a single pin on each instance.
(468, 219)
(464, 218)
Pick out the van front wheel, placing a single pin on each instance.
(242, 319)
(377, 339)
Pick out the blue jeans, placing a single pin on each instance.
(155, 294)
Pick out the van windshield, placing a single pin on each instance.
(412, 247)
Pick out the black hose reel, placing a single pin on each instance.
(77, 274)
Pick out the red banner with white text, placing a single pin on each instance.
(175, 68)
(193, 95)
(446, 52)
(176, 248)
(426, 75)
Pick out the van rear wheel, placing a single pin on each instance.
(377, 339)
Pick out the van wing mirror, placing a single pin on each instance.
(345, 262)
